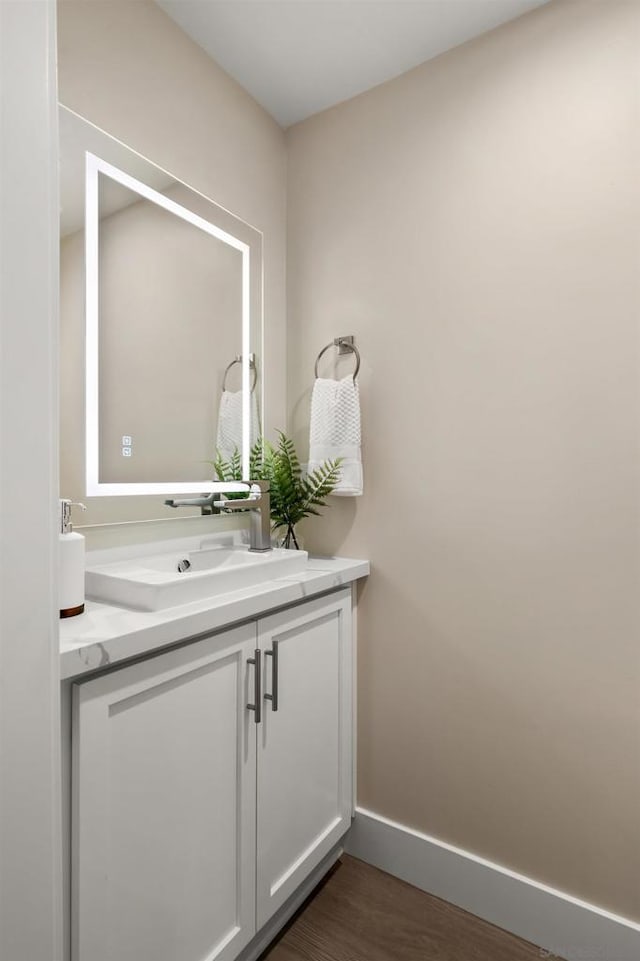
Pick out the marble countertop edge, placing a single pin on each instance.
(105, 635)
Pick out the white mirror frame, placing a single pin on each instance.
(94, 487)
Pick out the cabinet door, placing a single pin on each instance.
(304, 748)
(163, 807)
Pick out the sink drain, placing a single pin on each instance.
(184, 565)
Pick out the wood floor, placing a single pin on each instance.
(361, 914)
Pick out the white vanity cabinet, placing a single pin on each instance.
(192, 823)
(304, 752)
(163, 807)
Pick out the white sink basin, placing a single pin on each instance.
(154, 581)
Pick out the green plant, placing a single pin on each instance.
(294, 494)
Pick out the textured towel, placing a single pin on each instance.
(230, 423)
(335, 431)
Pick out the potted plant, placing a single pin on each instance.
(294, 494)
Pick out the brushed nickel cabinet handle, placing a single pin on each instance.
(273, 697)
(256, 660)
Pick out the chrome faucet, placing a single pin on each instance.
(208, 503)
(258, 503)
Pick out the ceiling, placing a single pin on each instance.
(296, 57)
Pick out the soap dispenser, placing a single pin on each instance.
(71, 563)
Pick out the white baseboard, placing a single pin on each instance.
(563, 926)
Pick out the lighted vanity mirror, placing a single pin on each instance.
(161, 328)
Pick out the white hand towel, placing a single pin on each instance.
(335, 431)
(229, 437)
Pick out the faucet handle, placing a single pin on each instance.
(264, 485)
(256, 499)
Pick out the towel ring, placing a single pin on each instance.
(343, 343)
(238, 360)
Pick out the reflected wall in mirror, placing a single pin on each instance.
(160, 293)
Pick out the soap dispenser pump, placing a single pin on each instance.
(71, 563)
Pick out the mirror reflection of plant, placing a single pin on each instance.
(294, 494)
(231, 470)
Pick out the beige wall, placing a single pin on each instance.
(475, 224)
(127, 67)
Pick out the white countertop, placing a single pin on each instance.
(105, 635)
